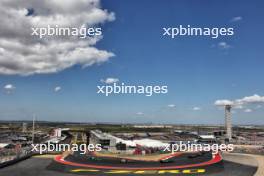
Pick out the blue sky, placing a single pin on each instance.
(196, 70)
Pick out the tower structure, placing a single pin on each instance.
(33, 129)
(24, 127)
(228, 122)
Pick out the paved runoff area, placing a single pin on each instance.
(74, 165)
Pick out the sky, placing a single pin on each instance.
(57, 81)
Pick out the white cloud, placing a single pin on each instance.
(171, 105)
(251, 99)
(237, 18)
(9, 88)
(57, 89)
(242, 102)
(238, 106)
(110, 80)
(140, 113)
(224, 45)
(248, 110)
(223, 102)
(196, 108)
(23, 54)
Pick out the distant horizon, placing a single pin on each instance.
(116, 123)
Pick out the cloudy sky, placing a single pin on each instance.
(56, 78)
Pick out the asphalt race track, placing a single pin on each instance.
(47, 166)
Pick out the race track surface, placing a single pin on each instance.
(42, 166)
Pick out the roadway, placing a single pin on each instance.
(46, 166)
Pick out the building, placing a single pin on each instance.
(106, 140)
(207, 139)
(57, 132)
